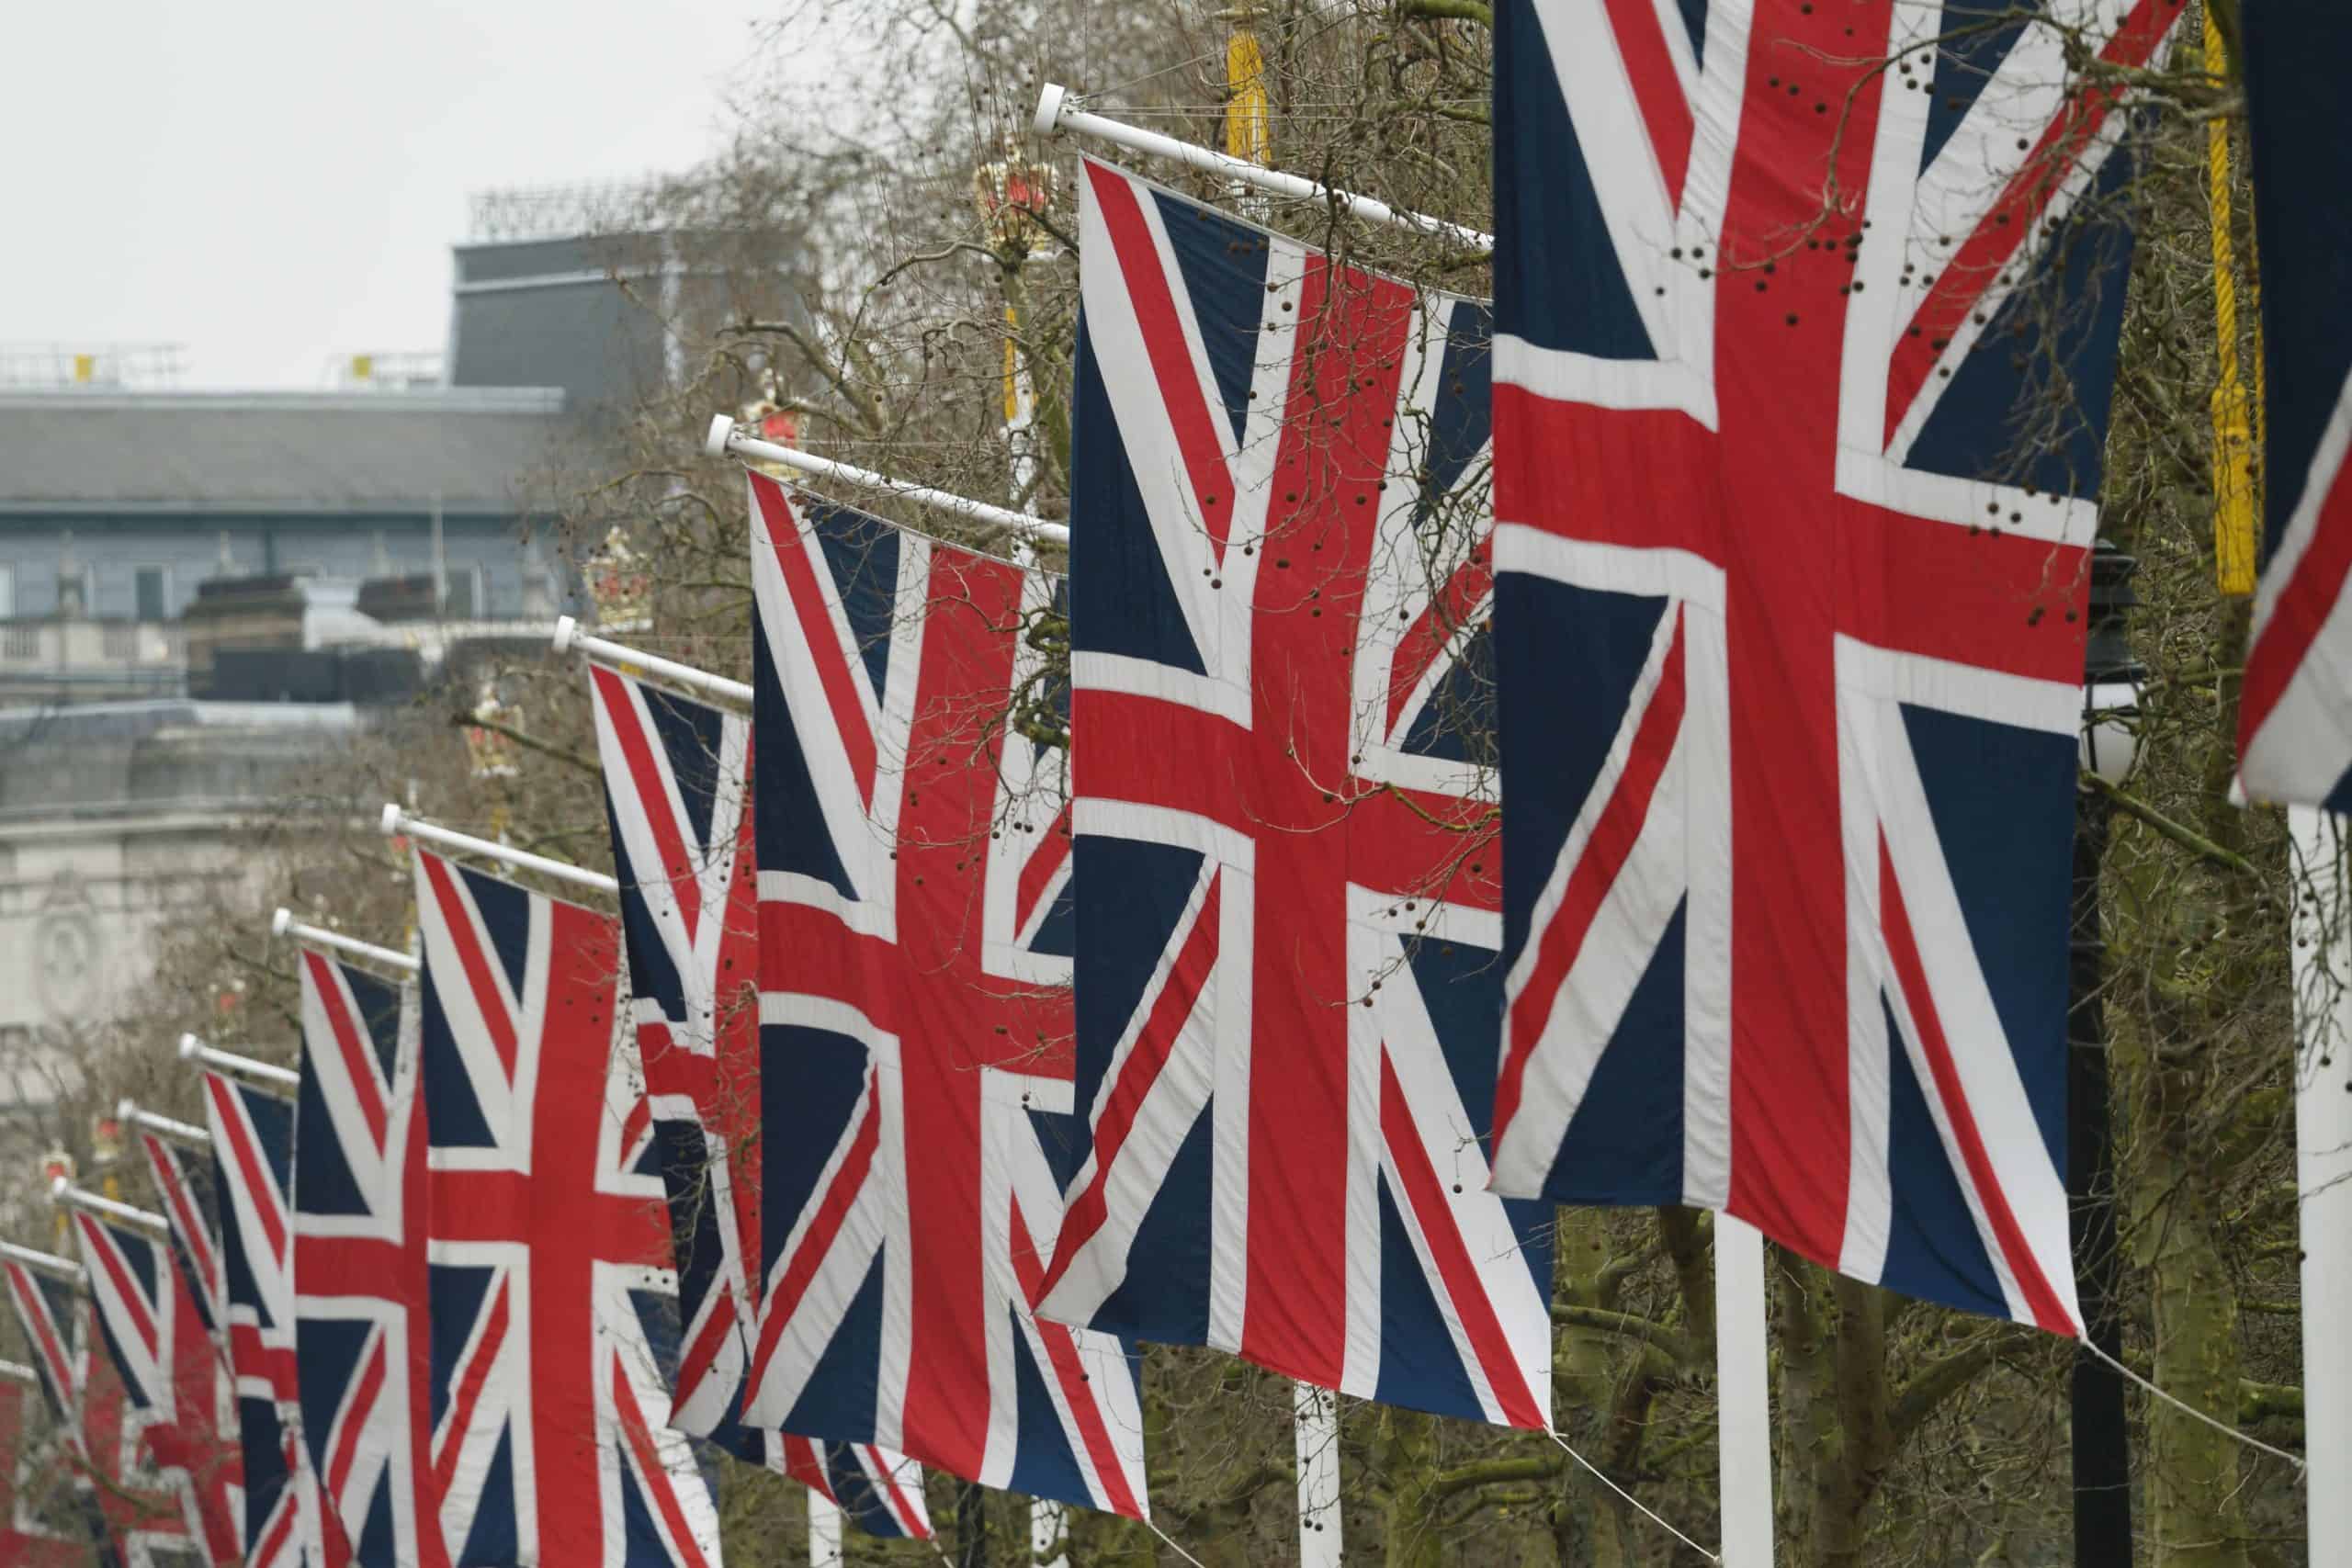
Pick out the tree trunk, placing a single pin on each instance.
(1808, 1435)
(2192, 1471)
(2194, 1510)
(971, 1525)
(1406, 1454)
(1866, 1441)
(1588, 1526)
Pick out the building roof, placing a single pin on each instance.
(141, 759)
(137, 720)
(472, 448)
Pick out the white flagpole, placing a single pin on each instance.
(723, 438)
(1054, 114)
(163, 1127)
(283, 923)
(1047, 1518)
(63, 1192)
(1742, 1394)
(1315, 1434)
(569, 638)
(267, 1076)
(1046, 1521)
(2322, 961)
(47, 1263)
(396, 820)
(824, 1532)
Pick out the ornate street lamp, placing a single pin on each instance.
(106, 1153)
(767, 417)
(618, 584)
(56, 1163)
(489, 751)
(1012, 192)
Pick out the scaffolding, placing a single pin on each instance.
(564, 211)
(403, 371)
(97, 367)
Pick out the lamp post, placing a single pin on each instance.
(1013, 193)
(2102, 1452)
(618, 584)
(106, 1153)
(492, 754)
(57, 1163)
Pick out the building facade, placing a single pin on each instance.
(116, 820)
(165, 554)
(115, 505)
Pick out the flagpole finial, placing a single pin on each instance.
(1050, 107)
(126, 1109)
(189, 1046)
(281, 919)
(389, 823)
(566, 628)
(721, 431)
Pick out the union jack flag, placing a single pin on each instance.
(190, 1207)
(54, 1321)
(252, 1141)
(193, 1212)
(2295, 709)
(26, 1541)
(914, 1014)
(550, 1291)
(879, 1491)
(143, 1512)
(674, 786)
(362, 1336)
(172, 1376)
(48, 1310)
(1800, 387)
(1288, 888)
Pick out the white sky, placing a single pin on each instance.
(272, 182)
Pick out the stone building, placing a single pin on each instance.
(115, 504)
(116, 819)
(167, 555)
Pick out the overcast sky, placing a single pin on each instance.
(270, 183)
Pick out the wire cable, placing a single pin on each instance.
(1654, 1518)
(2301, 1468)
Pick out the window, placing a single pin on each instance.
(541, 592)
(153, 589)
(75, 588)
(8, 590)
(464, 594)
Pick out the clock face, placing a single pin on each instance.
(65, 963)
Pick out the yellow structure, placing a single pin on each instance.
(2234, 413)
(1248, 129)
(1016, 410)
(1012, 194)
